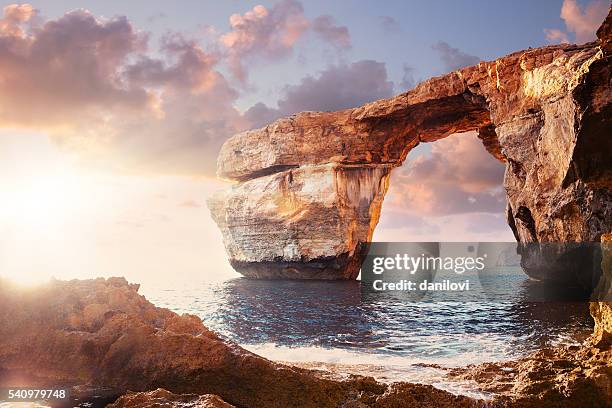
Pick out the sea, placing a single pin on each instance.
(339, 326)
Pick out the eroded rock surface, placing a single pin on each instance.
(602, 311)
(101, 334)
(309, 188)
(161, 398)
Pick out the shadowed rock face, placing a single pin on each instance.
(310, 187)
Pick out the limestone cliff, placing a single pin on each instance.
(309, 188)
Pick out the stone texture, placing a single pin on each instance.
(161, 398)
(103, 338)
(272, 218)
(575, 376)
(602, 311)
(544, 112)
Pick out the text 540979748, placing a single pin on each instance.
(32, 394)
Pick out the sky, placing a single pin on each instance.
(112, 114)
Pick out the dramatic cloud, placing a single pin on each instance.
(93, 86)
(453, 58)
(458, 176)
(326, 27)
(271, 34)
(582, 23)
(337, 87)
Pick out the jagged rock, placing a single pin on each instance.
(602, 311)
(573, 376)
(161, 398)
(309, 187)
(102, 335)
(569, 376)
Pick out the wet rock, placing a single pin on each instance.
(572, 376)
(554, 377)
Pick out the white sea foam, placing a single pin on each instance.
(383, 367)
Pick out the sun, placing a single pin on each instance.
(39, 214)
(42, 203)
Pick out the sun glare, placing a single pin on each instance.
(43, 203)
(38, 215)
(46, 203)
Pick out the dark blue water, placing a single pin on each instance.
(338, 322)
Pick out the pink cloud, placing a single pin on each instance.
(581, 22)
(272, 33)
(266, 32)
(93, 85)
(326, 27)
(454, 58)
(458, 176)
(554, 35)
(14, 15)
(335, 88)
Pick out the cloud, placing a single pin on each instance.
(485, 223)
(402, 220)
(96, 88)
(389, 24)
(337, 87)
(581, 22)
(14, 15)
(453, 58)
(408, 81)
(457, 177)
(325, 26)
(271, 34)
(555, 35)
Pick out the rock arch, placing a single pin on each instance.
(309, 188)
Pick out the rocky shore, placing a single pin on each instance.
(307, 214)
(102, 335)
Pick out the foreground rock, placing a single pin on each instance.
(556, 377)
(101, 335)
(310, 187)
(104, 335)
(574, 376)
(161, 398)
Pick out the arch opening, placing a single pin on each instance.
(452, 187)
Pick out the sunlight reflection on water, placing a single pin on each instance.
(334, 323)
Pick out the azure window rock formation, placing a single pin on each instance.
(309, 188)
